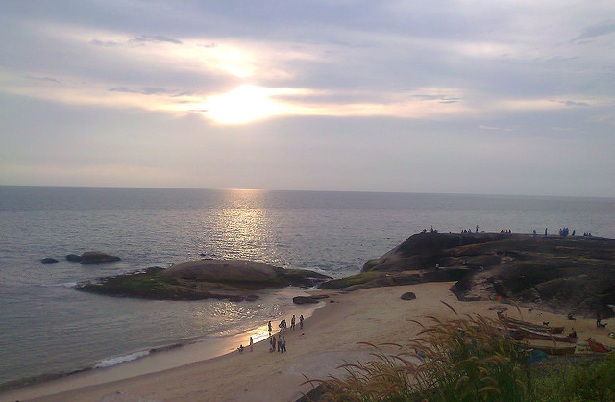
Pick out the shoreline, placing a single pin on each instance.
(157, 359)
(331, 336)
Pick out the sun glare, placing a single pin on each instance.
(242, 105)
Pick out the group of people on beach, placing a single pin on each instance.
(278, 342)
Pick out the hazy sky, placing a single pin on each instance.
(495, 97)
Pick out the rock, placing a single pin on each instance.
(309, 299)
(408, 296)
(96, 257)
(92, 257)
(304, 300)
(73, 258)
(49, 261)
(194, 280)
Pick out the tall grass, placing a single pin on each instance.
(466, 359)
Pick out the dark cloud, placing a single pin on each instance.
(105, 43)
(142, 91)
(45, 79)
(574, 103)
(155, 38)
(594, 31)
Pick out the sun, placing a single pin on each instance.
(242, 105)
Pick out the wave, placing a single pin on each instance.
(122, 359)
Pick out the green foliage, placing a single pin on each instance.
(575, 383)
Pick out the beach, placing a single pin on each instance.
(331, 336)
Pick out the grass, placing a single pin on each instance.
(465, 359)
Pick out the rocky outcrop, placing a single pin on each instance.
(560, 273)
(92, 257)
(235, 280)
(49, 261)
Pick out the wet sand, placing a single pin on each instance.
(331, 336)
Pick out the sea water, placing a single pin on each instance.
(48, 328)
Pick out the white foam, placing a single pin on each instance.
(122, 359)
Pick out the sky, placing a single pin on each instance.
(438, 96)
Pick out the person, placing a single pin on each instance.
(251, 344)
(283, 344)
(301, 321)
(598, 319)
(546, 232)
(280, 342)
(269, 325)
(240, 348)
(292, 322)
(273, 343)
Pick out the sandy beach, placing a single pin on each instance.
(330, 337)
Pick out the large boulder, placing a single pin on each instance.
(223, 279)
(92, 257)
(244, 274)
(96, 257)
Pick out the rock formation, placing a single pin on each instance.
(235, 280)
(559, 273)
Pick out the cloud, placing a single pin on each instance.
(490, 128)
(44, 79)
(107, 43)
(594, 31)
(155, 39)
(142, 91)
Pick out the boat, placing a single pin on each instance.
(525, 333)
(554, 350)
(597, 346)
(511, 322)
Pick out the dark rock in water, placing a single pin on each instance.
(73, 258)
(231, 279)
(408, 296)
(49, 261)
(96, 257)
(92, 257)
(309, 299)
(304, 300)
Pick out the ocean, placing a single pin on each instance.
(48, 328)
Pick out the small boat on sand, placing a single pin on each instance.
(597, 346)
(513, 322)
(554, 350)
(524, 333)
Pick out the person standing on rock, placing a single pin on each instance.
(273, 343)
(270, 329)
(301, 321)
(292, 322)
(251, 344)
